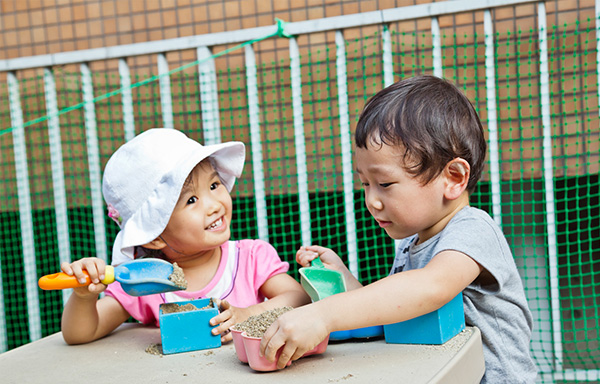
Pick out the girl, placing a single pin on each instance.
(170, 197)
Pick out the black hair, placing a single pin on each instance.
(432, 120)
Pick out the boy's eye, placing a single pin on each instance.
(214, 185)
(192, 200)
(385, 185)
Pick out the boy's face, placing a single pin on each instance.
(399, 202)
(201, 218)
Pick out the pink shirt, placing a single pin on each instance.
(243, 269)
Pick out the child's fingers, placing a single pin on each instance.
(224, 322)
(271, 341)
(92, 270)
(289, 353)
(223, 330)
(226, 337)
(224, 305)
(96, 288)
(318, 249)
(66, 268)
(304, 257)
(77, 271)
(93, 267)
(221, 317)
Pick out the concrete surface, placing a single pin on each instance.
(121, 357)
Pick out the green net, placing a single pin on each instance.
(544, 213)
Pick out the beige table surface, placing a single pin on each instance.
(121, 358)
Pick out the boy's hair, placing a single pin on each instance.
(432, 120)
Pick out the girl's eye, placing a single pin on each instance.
(385, 185)
(192, 200)
(214, 185)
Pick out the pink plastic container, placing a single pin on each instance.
(320, 348)
(260, 363)
(238, 343)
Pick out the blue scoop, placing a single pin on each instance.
(138, 278)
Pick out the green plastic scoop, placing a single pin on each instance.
(320, 282)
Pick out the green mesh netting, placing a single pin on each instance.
(575, 147)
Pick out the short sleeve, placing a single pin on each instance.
(482, 241)
(258, 262)
(267, 262)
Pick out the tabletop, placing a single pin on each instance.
(122, 357)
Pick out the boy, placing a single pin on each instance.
(420, 152)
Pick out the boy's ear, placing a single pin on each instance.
(157, 243)
(457, 173)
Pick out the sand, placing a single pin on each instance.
(177, 277)
(255, 326)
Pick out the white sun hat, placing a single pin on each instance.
(144, 177)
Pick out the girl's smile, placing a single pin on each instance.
(217, 225)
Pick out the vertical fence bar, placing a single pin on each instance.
(387, 58)
(3, 330)
(597, 6)
(300, 142)
(126, 100)
(209, 96)
(436, 40)
(549, 186)
(164, 80)
(93, 151)
(346, 149)
(255, 139)
(492, 121)
(388, 71)
(58, 174)
(25, 213)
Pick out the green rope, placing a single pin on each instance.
(281, 29)
(280, 32)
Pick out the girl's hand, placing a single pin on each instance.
(228, 317)
(95, 269)
(330, 259)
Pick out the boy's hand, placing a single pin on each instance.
(95, 269)
(296, 332)
(228, 317)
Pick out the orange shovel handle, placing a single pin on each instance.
(61, 280)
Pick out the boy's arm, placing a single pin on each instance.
(395, 298)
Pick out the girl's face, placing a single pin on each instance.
(201, 218)
(399, 202)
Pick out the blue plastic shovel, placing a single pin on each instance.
(320, 282)
(138, 278)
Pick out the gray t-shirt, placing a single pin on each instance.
(500, 309)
